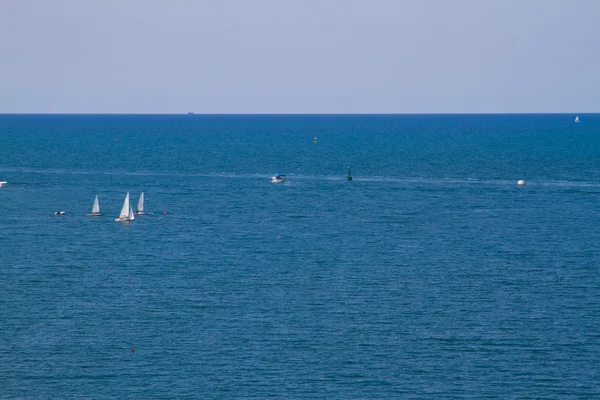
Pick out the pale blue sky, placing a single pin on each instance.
(302, 56)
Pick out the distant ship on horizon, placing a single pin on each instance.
(190, 113)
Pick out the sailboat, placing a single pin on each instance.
(577, 119)
(96, 208)
(140, 206)
(126, 211)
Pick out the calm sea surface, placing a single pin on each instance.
(431, 275)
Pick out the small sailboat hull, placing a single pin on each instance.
(95, 214)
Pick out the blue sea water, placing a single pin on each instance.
(431, 275)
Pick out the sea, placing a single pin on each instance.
(430, 275)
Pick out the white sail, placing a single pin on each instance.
(577, 118)
(130, 216)
(125, 210)
(140, 206)
(96, 208)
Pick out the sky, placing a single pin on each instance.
(301, 56)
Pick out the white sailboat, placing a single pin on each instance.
(577, 119)
(126, 211)
(140, 207)
(96, 208)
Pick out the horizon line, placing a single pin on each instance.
(300, 114)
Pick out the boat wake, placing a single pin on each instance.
(432, 181)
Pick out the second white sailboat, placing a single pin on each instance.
(126, 212)
(96, 208)
(140, 206)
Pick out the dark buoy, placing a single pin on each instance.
(349, 176)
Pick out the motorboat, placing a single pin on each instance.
(279, 178)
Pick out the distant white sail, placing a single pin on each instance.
(130, 216)
(125, 210)
(577, 118)
(140, 206)
(96, 207)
